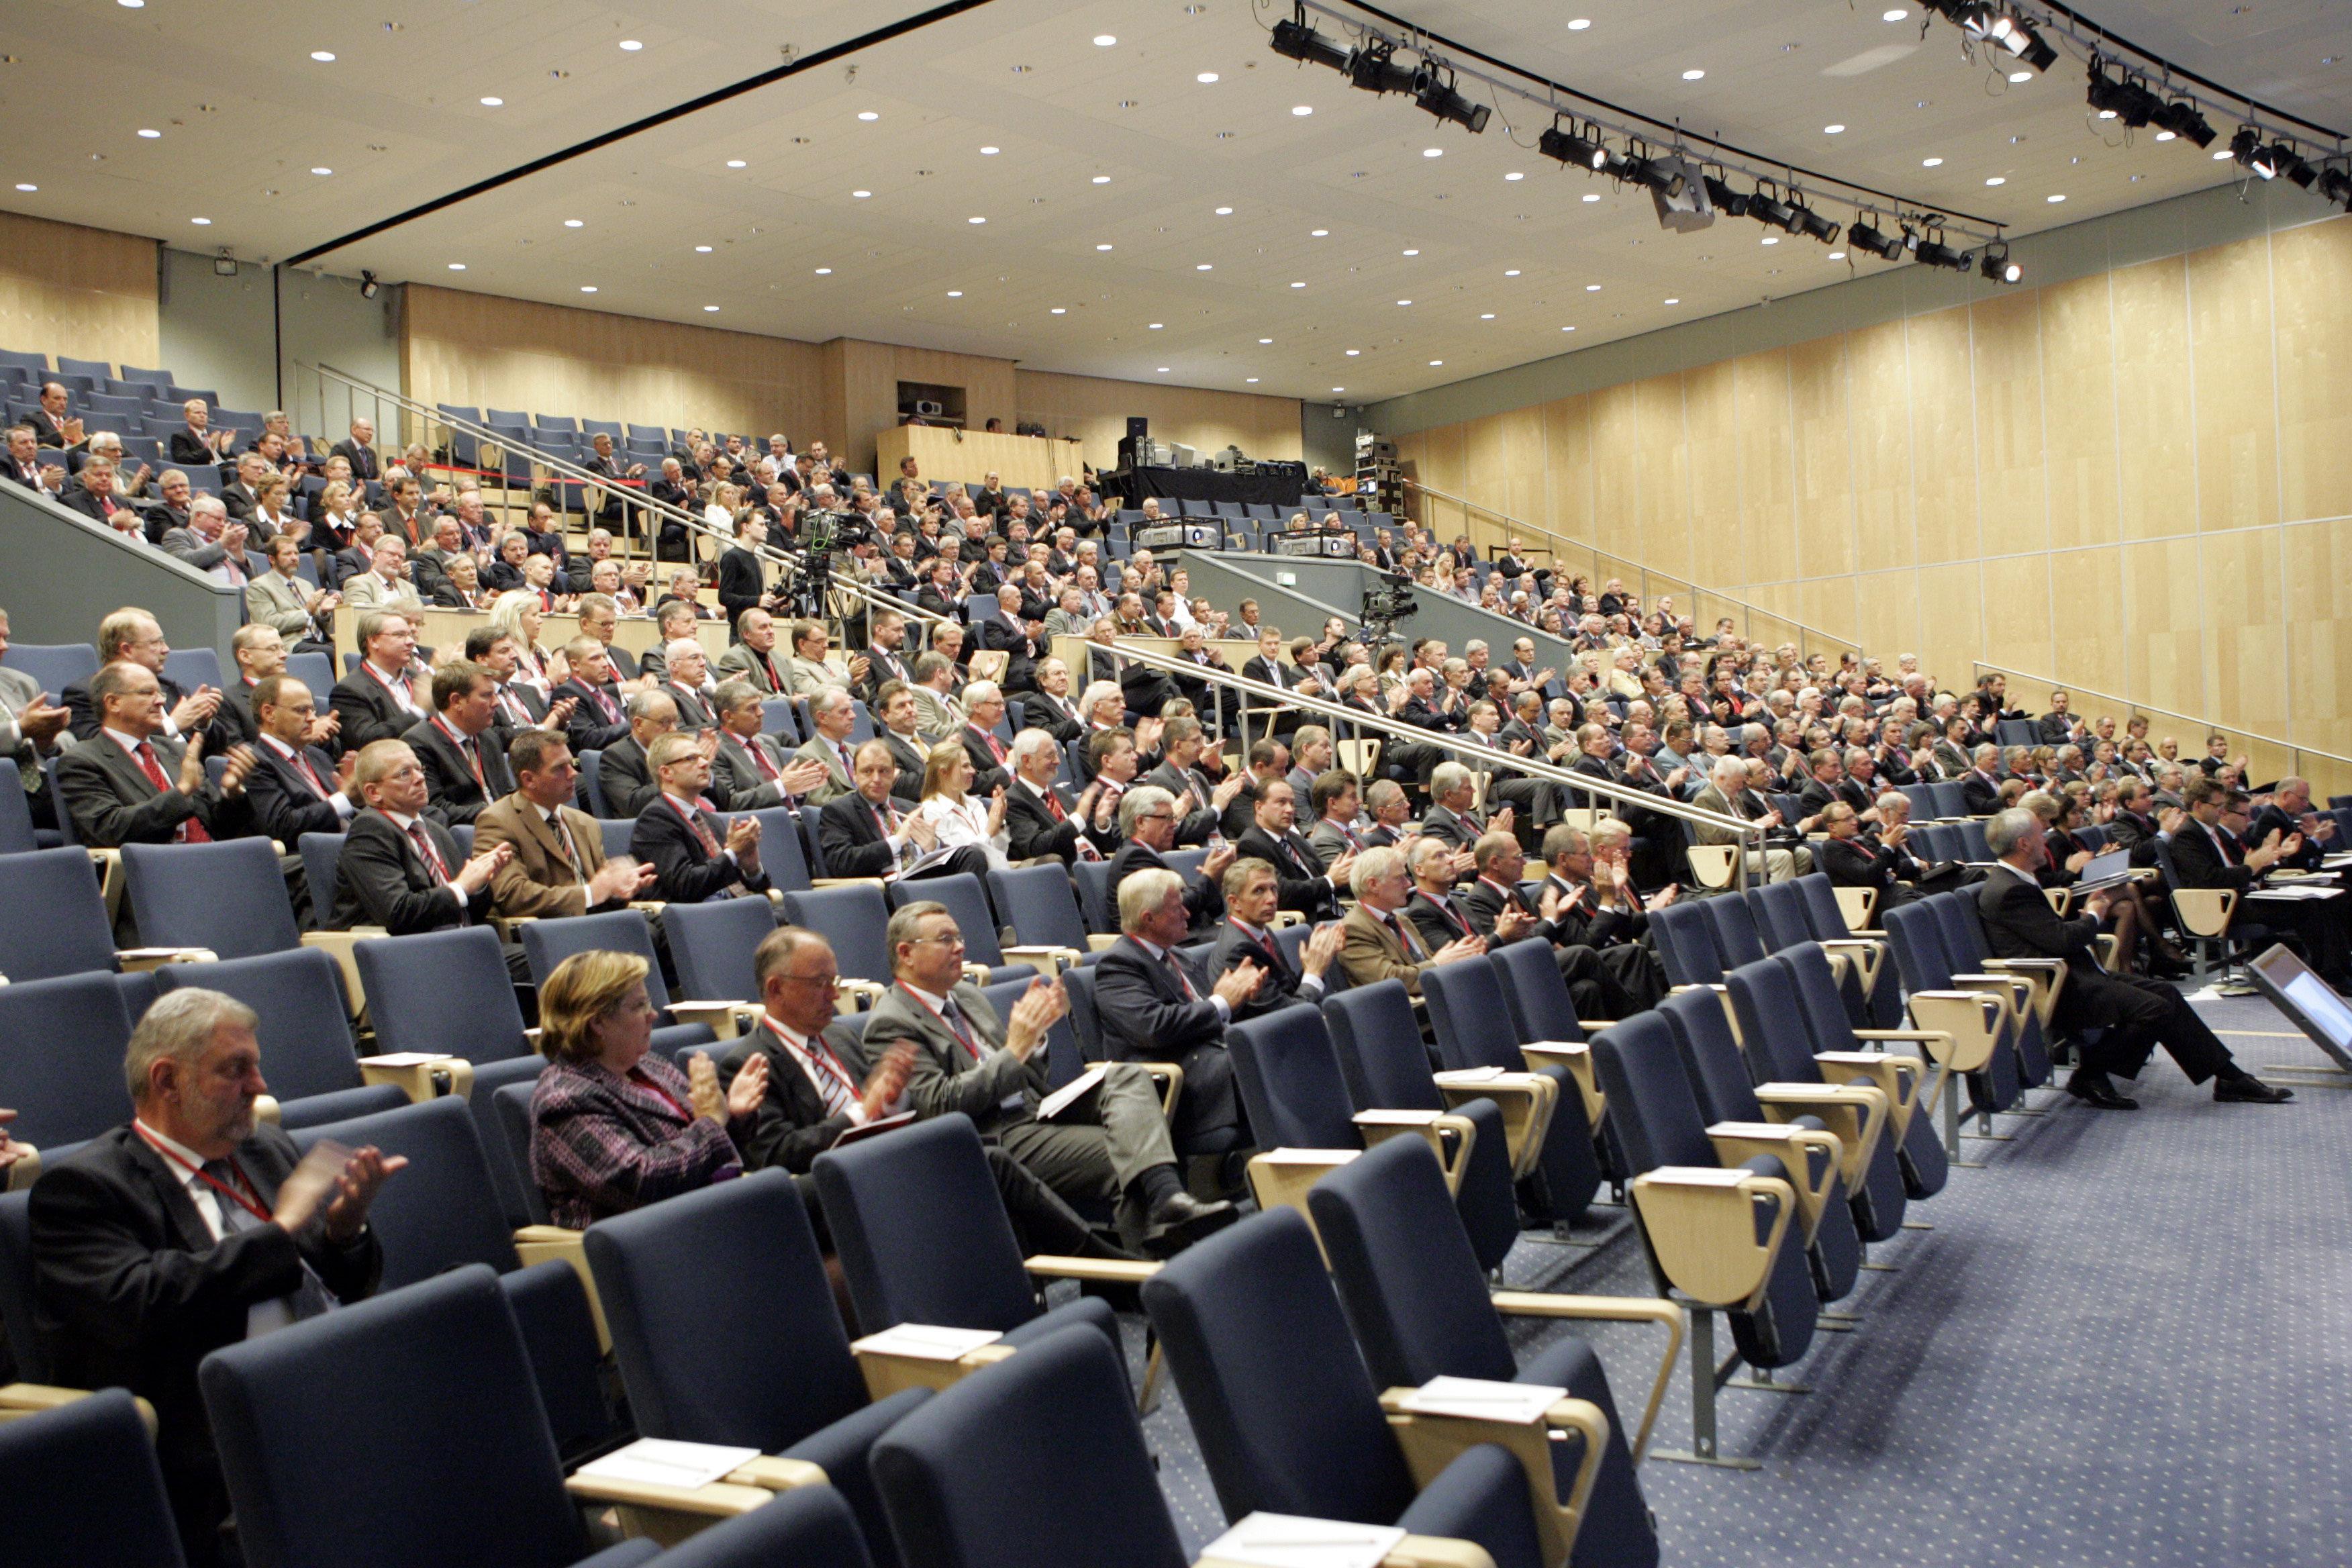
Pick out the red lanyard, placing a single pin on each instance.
(809, 1053)
(945, 1022)
(406, 699)
(250, 1205)
(1262, 943)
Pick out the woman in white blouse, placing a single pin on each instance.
(516, 612)
(960, 816)
(721, 513)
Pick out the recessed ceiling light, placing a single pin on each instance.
(574, 222)
(1339, 389)
(1058, 311)
(868, 114)
(1433, 152)
(1318, 233)
(702, 251)
(955, 294)
(1205, 78)
(711, 307)
(735, 163)
(1262, 342)
(1302, 110)
(1412, 253)
(1104, 40)
(322, 171)
(1405, 302)
(1997, 180)
(1155, 326)
(1487, 317)
(1298, 285)
(1203, 267)
(1568, 329)
(1353, 352)
(2053, 201)
(23, 186)
(325, 56)
(493, 103)
(1436, 362)
(1832, 130)
(1251, 379)
(587, 288)
(861, 195)
(1102, 179)
(631, 45)
(1694, 75)
(1771, 239)
(1592, 288)
(1515, 174)
(1510, 272)
(1672, 301)
(988, 152)
(824, 271)
(1931, 163)
(2165, 136)
(1102, 248)
(1592, 195)
(2020, 75)
(2222, 156)
(130, 5)
(1164, 370)
(975, 220)
(1225, 212)
(1896, 15)
(1578, 24)
(457, 267)
(151, 135)
(199, 222)
(1837, 255)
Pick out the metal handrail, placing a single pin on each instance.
(2131, 706)
(1807, 636)
(1273, 697)
(693, 522)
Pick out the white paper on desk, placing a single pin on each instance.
(1522, 1403)
(404, 1058)
(1070, 1094)
(923, 862)
(1292, 1541)
(2336, 861)
(666, 1462)
(1772, 1129)
(1568, 1048)
(1468, 1075)
(926, 1342)
(2297, 892)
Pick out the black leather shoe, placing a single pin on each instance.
(1179, 1220)
(2094, 1089)
(2250, 1091)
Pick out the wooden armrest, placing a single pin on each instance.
(1736, 1143)
(887, 1373)
(1451, 1138)
(108, 864)
(2205, 912)
(2046, 977)
(774, 1474)
(856, 996)
(1701, 1225)
(727, 1019)
(846, 882)
(1170, 1077)
(27, 1168)
(976, 972)
(421, 1081)
(1101, 1270)
(1973, 1022)
(338, 944)
(1097, 941)
(1723, 996)
(139, 959)
(1047, 959)
(1280, 1178)
(553, 1244)
(667, 1514)
(18, 1400)
(1856, 1113)
(649, 906)
(1577, 1057)
(1526, 1101)
(1899, 1077)
(1609, 1309)
(1432, 1442)
(1857, 905)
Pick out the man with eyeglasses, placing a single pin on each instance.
(1146, 820)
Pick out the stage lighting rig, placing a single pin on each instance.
(1374, 67)
(2247, 148)
(1582, 150)
(1436, 94)
(1997, 265)
(2122, 97)
(1301, 42)
(1866, 237)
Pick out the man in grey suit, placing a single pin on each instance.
(1109, 1145)
(623, 776)
(1727, 791)
(751, 771)
(684, 676)
(278, 598)
(211, 543)
(936, 713)
(29, 728)
(131, 783)
(832, 710)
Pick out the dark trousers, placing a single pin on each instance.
(2318, 927)
(1211, 1102)
(2138, 1015)
(1593, 985)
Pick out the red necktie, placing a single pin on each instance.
(1053, 806)
(702, 834)
(425, 851)
(191, 831)
(996, 747)
(310, 774)
(760, 756)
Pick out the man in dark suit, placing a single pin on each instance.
(2288, 813)
(464, 764)
(1146, 820)
(1492, 906)
(751, 771)
(1200, 805)
(93, 494)
(598, 715)
(50, 422)
(192, 1227)
(1852, 860)
(1040, 818)
(2210, 851)
(130, 783)
(23, 465)
(1269, 666)
(742, 580)
(896, 725)
(1252, 895)
(983, 703)
(1051, 707)
(1021, 641)
(378, 700)
(678, 833)
(625, 777)
(400, 869)
(1452, 820)
(1979, 788)
(869, 833)
(1307, 885)
(1155, 1006)
(359, 450)
(2134, 1014)
(295, 787)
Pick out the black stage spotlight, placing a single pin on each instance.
(1564, 143)
(1301, 42)
(1769, 209)
(1664, 175)
(2247, 148)
(1935, 253)
(1374, 67)
(2126, 99)
(2180, 118)
(1726, 201)
(1871, 240)
(1998, 267)
(2337, 186)
(367, 284)
(1439, 98)
(1812, 225)
(2288, 161)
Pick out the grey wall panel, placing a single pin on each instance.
(60, 573)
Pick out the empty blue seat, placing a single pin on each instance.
(52, 918)
(55, 666)
(228, 896)
(84, 1487)
(61, 1048)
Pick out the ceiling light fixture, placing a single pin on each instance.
(1866, 237)
(631, 45)
(1102, 248)
(1486, 316)
(1251, 379)
(367, 279)
(1578, 24)
(199, 222)
(824, 271)
(1584, 149)
(702, 251)
(587, 288)
(861, 195)
(955, 294)
(2121, 96)
(868, 114)
(1057, 310)
(988, 152)
(2247, 148)
(1102, 179)
(1694, 76)
(1202, 266)
(494, 103)
(1225, 212)
(325, 56)
(2053, 201)
(1832, 130)
(1433, 152)
(1298, 285)
(975, 220)
(1997, 267)
(1155, 326)
(1931, 163)
(1302, 110)
(1353, 352)
(1592, 288)
(711, 307)
(1438, 95)
(322, 171)
(151, 135)
(1436, 362)
(1104, 40)
(1263, 341)
(457, 267)
(1931, 252)
(574, 222)
(1206, 77)
(1996, 180)
(736, 163)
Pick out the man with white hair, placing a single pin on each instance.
(211, 543)
(833, 713)
(1727, 794)
(385, 586)
(1378, 940)
(1039, 818)
(1156, 1005)
(686, 681)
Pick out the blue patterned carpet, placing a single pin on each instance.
(2127, 1341)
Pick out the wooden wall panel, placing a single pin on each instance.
(2087, 641)
(2164, 651)
(1943, 436)
(2017, 619)
(1886, 613)
(2244, 629)
(1766, 492)
(1822, 457)
(1523, 463)
(2319, 633)
(1710, 411)
(86, 293)
(2232, 373)
(1878, 399)
(2311, 274)
(1951, 621)
(2013, 507)
(2157, 481)
(1661, 489)
(2078, 411)
(1567, 465)
(1614, 467)
(1095, 410)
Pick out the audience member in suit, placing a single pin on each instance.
(886, 659)
(385, 585)
(1851, 860)
(682, 673)
(1452, 820)
(30, 729)
(937, 714)
(614, 1125)
(1051, 707)
(93, 493)
(753, 656)
(751, 771)
(1378, 940)
(379, 700)
(295, 787)
(23, 464)
(212, 544)
(1979, 787)
(624, 776)
(1039, 819)
(679, 834)
(400, 869)
(983, 703)
(1307, 885)
(1156, 1007)
(1269, 666)
(1252, 895)
(50, 421)
(2135, 1015)
(1201, 806)
(2289, 815)
(134, 636)
(1727, 793)
(464, 764)
(1109, 1149)
(1147, 820)
(598, 715)
(193, 1226)
(1610, 983)
(2208, 851)
(834, 712)
(1147, 689)
(1021, 641)
(280, 599)
(896, 726)
(871, 833)
(358, 450)
(130, 783)
(557, 866)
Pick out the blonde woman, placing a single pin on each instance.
(336, 513)
(273, 512)
(614, 1126)
(516, 612)
(720, 514)
(959, 817)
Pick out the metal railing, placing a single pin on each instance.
(424, 421)
(1576, 557)
(2268, 756)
